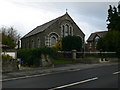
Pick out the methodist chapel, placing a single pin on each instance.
(49, 33)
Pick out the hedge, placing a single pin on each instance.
(70, 43)
(32, 56)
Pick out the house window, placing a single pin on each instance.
(96, 38)
(90, 45)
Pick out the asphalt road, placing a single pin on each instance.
(100, 77)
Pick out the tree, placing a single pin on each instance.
(71, 42)
(113, 19)
(110, 42)
(10, 37)
(7, 40)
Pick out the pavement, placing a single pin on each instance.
(51, 70)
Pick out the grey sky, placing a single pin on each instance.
(25, 16)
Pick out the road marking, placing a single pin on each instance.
(116, 72)
(67, 85)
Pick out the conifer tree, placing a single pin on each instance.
(113, 18)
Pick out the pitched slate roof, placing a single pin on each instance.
(42, 27)
(92, 36)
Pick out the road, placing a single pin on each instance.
(99, 77)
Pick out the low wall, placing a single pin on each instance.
(89, 57)
(9, 65)
(45, 60)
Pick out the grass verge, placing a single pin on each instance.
(62, 61)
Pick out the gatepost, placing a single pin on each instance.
(74, 54)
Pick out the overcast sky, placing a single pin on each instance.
(25, 15)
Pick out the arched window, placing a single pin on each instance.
(32, 45)
(38, 42)
(53, 40)
(66, 30)
(63, 31)
(70, 31)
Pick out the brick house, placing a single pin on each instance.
(93, 39)
(49, 33)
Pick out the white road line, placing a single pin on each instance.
(74, 83)
(116, 72)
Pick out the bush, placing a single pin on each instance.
(32, 56)
(70, 43)
(6, 57)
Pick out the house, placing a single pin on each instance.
(49, 33)
(93, 39)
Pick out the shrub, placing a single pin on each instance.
(32, 56)
(6, 57)
(58, 45)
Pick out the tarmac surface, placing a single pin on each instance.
(51, 70)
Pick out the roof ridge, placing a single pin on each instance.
(100, 31)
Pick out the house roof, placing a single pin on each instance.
(93, 35)
(41, 28)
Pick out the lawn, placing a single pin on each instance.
(63, 61)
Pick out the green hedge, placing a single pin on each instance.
(32, 56)
(70, 43)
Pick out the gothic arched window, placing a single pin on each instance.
(66, 30)
(32, 45)
(70, 31)
(63, 31)
(53, 40)
(38, 42)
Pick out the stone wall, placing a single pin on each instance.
(88, 57)
(9, 65)
(45, 60)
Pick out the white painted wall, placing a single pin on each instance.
(13, 54)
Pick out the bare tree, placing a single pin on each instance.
(12, 33)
